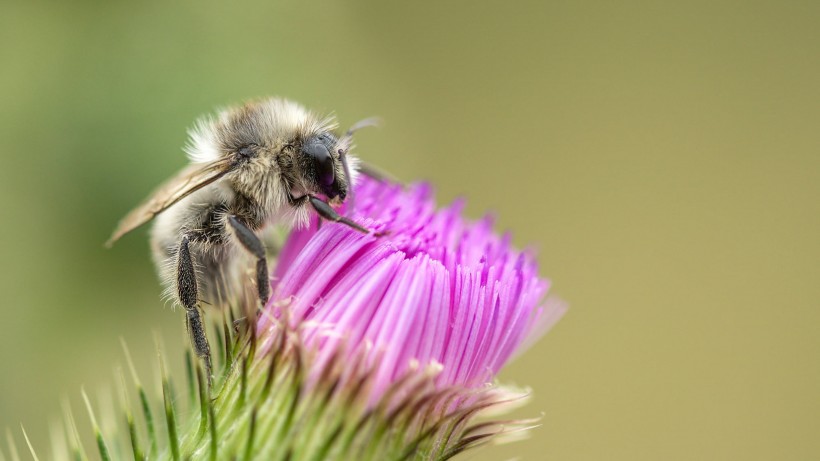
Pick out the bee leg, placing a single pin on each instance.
(187, 291)
(327, 212)
(251, 242)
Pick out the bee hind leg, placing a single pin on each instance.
(187, 291)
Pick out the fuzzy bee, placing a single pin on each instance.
(265, 162)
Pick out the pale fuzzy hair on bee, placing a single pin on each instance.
(268, 124)
(274, 117)
(268, 161)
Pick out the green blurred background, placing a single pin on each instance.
(663, 157)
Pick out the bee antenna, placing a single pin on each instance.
(372, 121)
(351, 196)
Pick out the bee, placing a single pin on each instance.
(266, 162)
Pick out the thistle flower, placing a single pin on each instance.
(436, 291)
(370, 347)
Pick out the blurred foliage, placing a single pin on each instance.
(662, 156)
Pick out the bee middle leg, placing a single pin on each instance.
(188, 293)
(251, 242)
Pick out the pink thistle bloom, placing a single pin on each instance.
(371, 347)
(436, 289)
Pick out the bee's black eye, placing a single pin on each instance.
(322, 161)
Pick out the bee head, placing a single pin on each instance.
(325, 167)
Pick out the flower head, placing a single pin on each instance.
(370, 348)
(434, 290)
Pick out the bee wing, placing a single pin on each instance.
(187, 181)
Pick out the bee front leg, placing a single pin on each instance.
(327, 212)
(187, 291)
(251, 242)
